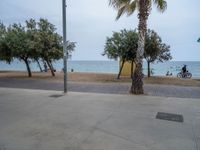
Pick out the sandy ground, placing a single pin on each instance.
(101, 77)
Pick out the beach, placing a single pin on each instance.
(100, 78)
(112, 67)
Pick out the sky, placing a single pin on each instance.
(89, 22)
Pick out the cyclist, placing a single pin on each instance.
(184, 70)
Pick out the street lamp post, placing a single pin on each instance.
(64, 45)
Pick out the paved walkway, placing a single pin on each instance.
(34, 120)
(111, 88)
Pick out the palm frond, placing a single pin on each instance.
(121, 11)
(132, 7)
(118, 3)
(161, 5)
(124, 6)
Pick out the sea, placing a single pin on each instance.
(158, 69)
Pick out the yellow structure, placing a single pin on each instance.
(126, 71)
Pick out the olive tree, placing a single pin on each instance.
(155, 49)
(5, 51)
(122, 45)
(17, 41)
(50, 44)
(33, 42)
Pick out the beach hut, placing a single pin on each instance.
(126, 70)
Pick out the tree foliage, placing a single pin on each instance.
(33, 42)
(5, 52)
(198, 40)
(18, 42)
(122, 45)
(155, 49)
(49, 43)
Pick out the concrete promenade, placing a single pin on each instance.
(49, 120)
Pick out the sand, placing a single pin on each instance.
(100, 77)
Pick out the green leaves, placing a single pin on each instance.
(17, 41)
(124, 45)
(5, 52)
(130, 6)
(49, 43)
(124, 6)
(198, 40)
(155, 49)
(161, 5)
(121, 45)
(32, 42)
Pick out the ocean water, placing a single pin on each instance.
(110, 67)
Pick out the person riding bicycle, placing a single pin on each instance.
(184, 73)
(184, 69)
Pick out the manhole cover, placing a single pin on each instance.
(55, 96)
(2, 148)
(169, 117)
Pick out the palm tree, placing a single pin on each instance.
(144, 8)
(198, 40)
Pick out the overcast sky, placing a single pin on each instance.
(89, 22)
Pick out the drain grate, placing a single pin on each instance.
(169, 117)
(56, 96)
(2, 147)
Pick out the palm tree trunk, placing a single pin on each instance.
(149, 72)
(131, 69)
(121, 67)
(137, 79)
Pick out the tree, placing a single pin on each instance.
(144, 8)
(155, 49)
(198, 40)
(50, 44)
(45, 42)
(31, 29)
(17, 41)
(33, 42)
(5, 52)
(122, 45)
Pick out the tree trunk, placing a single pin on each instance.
(121, 67)
(149, 72)
(137, 79)
(137, 82)
(28, 67)
(131, 69)
(50, 67)
(39, 65)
